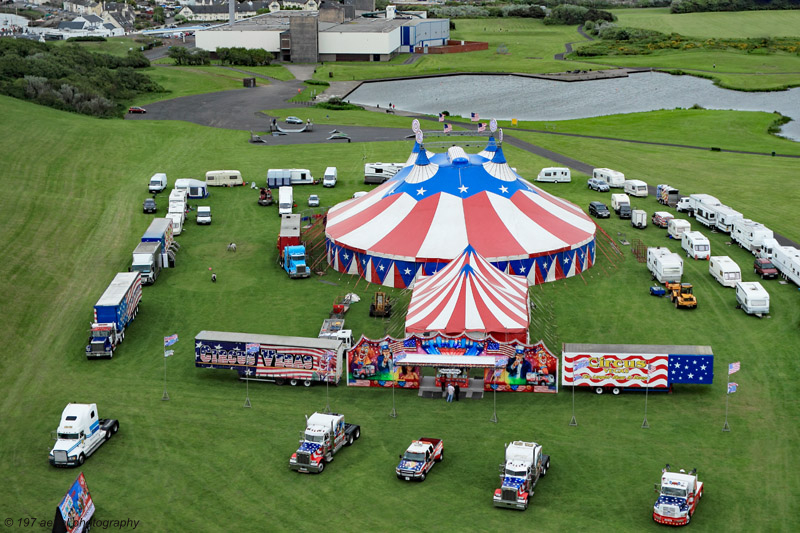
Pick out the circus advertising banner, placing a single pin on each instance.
(523, 368)
(371, 364)
(512, 367)
(76, 509)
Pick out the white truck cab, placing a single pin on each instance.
(80, 433)
(325, 434)
(525, 464)
(679, 493)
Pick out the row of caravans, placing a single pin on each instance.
(616, 179)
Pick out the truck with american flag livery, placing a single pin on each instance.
(325, 434)
(635, 367)
(276, 358)
(525, 464)
(678, 495)
(116, 308)
(419, 458)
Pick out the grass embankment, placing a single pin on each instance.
(117, 46)
(73, 218)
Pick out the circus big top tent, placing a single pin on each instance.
(470, 295)
(429, 212)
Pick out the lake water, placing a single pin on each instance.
(507, 97)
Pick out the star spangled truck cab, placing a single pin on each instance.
(116, 308)
(525, 464)
(420, 458)
(679, 493)
(325, 434)
(80, 433)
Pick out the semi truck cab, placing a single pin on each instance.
(103, 339)
(679, 493)
(325, 434)
(79, 434)
(294, 261)
(525, 464)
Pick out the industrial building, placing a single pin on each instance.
(336, 32)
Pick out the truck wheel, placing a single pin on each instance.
(688, 519)
(81, 459)
(307, 383)
(525, 507)
(598, 390)
(441, 456)
(293, 382)
(358, 433)
(350, 440)
(548, 464)
(544, 470)
(615, 391)
(321, 467)
(115, 428)
(280, 381)
(422, 477)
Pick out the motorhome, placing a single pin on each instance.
(696, 245)
(224, 178)
(554, 175)
(750, 235)
(752, 298)
(636, 188)
(725, 218)
(725, 270)
(677, 227)
(285, 201)
(612, 177)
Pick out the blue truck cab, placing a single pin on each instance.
(294, 261)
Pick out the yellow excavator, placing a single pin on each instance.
(681, 295)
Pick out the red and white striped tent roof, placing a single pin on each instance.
(470, 295)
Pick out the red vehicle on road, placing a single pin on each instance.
(136, 109)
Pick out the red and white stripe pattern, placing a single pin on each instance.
(469, 294)
(626, 370)
(295, 363)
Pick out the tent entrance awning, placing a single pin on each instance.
(447, 361)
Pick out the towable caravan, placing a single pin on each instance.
(636, 188)
(726, 216)
(282, 177)
(787, 260)
(612, 177)
(194, 188)
(554, 175)
(224, 178)
(725, 270)
(380, 172)
(178, 195)
(750, 235)
(618, 200)
(752, 298)
(677, 227)
(664, 265)
(696, 245)
(688, 204)
(706, 215)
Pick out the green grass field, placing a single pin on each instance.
(202, 462)
(739, 24)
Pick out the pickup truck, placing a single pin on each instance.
(420, 458)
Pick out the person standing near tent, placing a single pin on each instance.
(450, 391)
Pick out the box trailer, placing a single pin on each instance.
(639, 218)
(160, 230)
(115, 309)
(284, 177)
(725, 270)
(752, 297)
(277, 358)
(664, 265)
(635, 367)
(749, 234)
(148, 261)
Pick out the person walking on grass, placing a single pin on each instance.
(450, 391)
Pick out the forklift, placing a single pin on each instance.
(681, 295)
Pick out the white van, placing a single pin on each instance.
(618, 200)
(285, 200)
(203, 214)
(554, 175)
(177, 222)
(636, 188)
(677, 227)
(194, 188)
(224, 178)
(158, 182)
(612, 177)
(329, 178)
(752, 297)
(283, 177)
(696, 245)
(725, 270)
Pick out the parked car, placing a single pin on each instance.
(764, 268)
(293, 120)
(313, 201)
(599, 210)
(136, 109)
(149, 206)
(598, 185)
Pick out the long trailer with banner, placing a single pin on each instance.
(277, 358)
(618, 367)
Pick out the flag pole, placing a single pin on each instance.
(572, 421)
(247, 388)
(165, 396)
(393, 414)
(726, 427)
(645, 425)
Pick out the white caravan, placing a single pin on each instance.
(554, 175)
(612, 177)
(688, 204)
(677, 227)
(664, 265)
(725, 270)
(752, 297)
(696, 245)
(636, 188)
(750, 235)
(726, 216)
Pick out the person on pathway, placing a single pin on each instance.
(450, 391)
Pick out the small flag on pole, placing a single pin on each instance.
(732, 387)
(167, 353)
(172, 339)
(733, 368)
(474, 117)
(448, 128)
(441, 117)
(482, 127)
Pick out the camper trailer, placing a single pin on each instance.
(612, 177)
(677, 227)
(688, 204)
(636, 188)
(664, 265)
(195, 189)
(618, 200)
(725, 217)
(696, 245)
(749, 235)
(725, 270)
(380, 172)
(224, 178)
(752, 297)
(554, 175)
(282, 177)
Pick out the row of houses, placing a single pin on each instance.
(219, 10)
